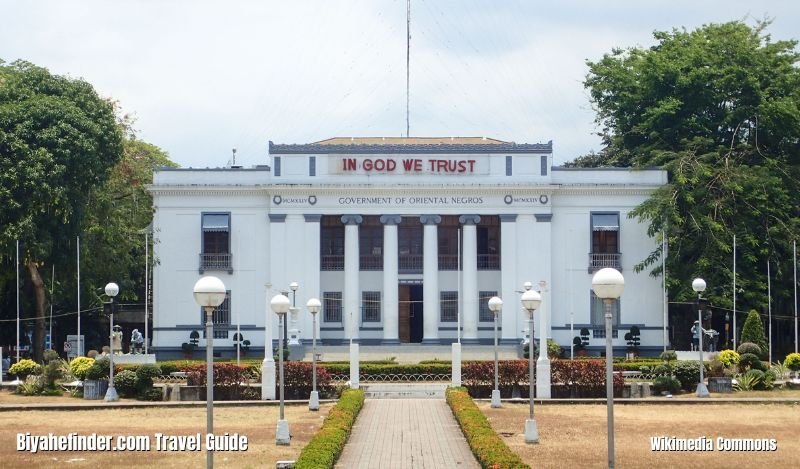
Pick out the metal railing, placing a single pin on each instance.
(370, 262)
(599, 261)
(392, 378)
(448, 261)
(410, 263)
(331, 262)
(216, 261)
(488, 262)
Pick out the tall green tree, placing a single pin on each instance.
(58, 143)
(719, 108)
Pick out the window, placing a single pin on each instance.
(216, 239)
(488, 233)
(332, 306)
(276, 162)
(371, 306)
(331, 239)
(605, 241)
(508, 165)
(370, 243)
(598, 317)
(449, 306)
(409, 245)
(221, 318)
(485, 315)
(544, 165)
(448, 233)
(312, 165)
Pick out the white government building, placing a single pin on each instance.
(373, 227)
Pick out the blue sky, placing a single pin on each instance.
(203, 77)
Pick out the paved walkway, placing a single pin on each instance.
(406, 433)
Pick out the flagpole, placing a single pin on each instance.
(795, 294)
(146, 290)
(734, 292)
(79, 353)
(17, 301)
(664, 245)
(52, 286)
(769, 312)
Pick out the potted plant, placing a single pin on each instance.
(580, 349)
(24, 368)
(187, 349)
(718, 379)
(96, 382)
(792, 362)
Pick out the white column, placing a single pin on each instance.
(470, 277)
(351, 300)
(268, 365)
(390, 282)
(430, 279)
(543, 362)
(513, 313)
(310, 277)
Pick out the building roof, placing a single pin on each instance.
(409, 145)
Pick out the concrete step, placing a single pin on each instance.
(404, 390)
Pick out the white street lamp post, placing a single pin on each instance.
(608, 285)
(313, 306)
(495, 306)
(531, 300)
(294, 333)
(699, 285)
(209, 292)
(112, 289)
(280, 306)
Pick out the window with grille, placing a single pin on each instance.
(221, 318)
(448, 234)
(508, 165)
(276, 162)
(449, 306)
(485, 314)
(488, 234)
(312, 165)
(544, 165)
(331, 243)
(598, 317)
(370, 243)
(371, 306)
(216, 233)
(332, 306)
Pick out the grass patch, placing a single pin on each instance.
(488, 448)
(324, 449)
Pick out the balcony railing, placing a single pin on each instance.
(216, 261)
(600, 261)
(410, 263)
(448, 261)
(331, 262)
(370, 262)
(488, 262)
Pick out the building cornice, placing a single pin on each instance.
(365, 149)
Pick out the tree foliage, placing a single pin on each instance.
(753, 332)
(69, 166)
(719, 109)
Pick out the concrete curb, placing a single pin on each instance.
(149, 404)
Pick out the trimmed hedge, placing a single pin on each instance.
(324, 449)
(488, 448)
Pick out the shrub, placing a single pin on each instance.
(324, 449)
(50, 355)
(749, 347)
(745, 382)
(753, 331)
(688, 373)
(298, 379)
(668, 355)
(729, 358)
(229, 378)
(487, 447)
(584, 378)
(25, 368)
(99, 369)
(666, 383)
(125, 383)
(715, 368)
(80, 366)
(758, 377)
(748, 361)
(663, 370)
(151, 394)
(792, 361)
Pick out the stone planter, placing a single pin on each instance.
(94, 389)
(720, 384)
(191, 393)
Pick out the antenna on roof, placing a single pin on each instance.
(408, 60)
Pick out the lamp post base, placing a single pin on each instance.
(456, 363)
(313, 401)
(702, 390)
(282, 436)
(111, 394)
(496, 398)
(531, 431)
(268, 380)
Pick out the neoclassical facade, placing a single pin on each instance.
(403, 240)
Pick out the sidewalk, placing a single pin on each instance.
(406, 433)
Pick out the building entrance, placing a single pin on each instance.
(410, 313)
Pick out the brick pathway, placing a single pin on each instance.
(406, 433)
